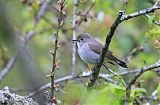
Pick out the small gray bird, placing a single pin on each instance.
(89, 50)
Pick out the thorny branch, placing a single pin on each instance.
(54, 53)
(28, 37)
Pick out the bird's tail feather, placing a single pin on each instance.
(121, 63)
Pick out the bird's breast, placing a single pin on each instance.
(86, 54)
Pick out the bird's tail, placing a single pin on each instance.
(121, 63)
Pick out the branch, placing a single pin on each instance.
(97, 67)
(54, 53)
(74, 36)
(133, 80)
(115, 74)
(120, 18)
(85, 15)
(70, 77)
(29, 35)
(41, 10)
(141, 12)
(106, 77)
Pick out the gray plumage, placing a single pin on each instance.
(89, 50)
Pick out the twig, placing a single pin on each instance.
(48, 85)
(54, 53)
(124, 73)
(97, 67)
(125, 5)
(141, 12)
(133, 80)
(85, 15)
(115, 74)
(155, 22)
(74, 36)
(29, 35)
(8, 66)
(42, 10)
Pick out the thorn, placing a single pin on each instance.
(58, 46)
(61, 24)
(51, 53)
(48, 75)
(56, 64)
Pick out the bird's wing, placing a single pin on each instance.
(96, 46)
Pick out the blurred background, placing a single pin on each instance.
(136, 41)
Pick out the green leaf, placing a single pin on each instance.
(158, 90)
(137, 92)
(117, 90)
(140, 90)
(153, 33)
(151, 19)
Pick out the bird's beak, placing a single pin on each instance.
(74, 40)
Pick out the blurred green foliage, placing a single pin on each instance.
(17, 19)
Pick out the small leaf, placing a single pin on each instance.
(117, 90)
(139, 90)
(158, 90)
(151, 19)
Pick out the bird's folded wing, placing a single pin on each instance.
(97, 48)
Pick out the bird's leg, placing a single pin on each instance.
(89, 67)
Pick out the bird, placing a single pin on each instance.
(89, 50)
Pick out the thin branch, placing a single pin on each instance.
(85, 15)
(29, 35)
(54, 53)
(155, 22)
(74, 36)
(8, 67)
(69, 77)
(114, 73)
(125, 5)
(124, 73)
(133, 80)
(156, 3)
(42, 10)
(141, 12)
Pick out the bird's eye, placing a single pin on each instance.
(81, 39)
